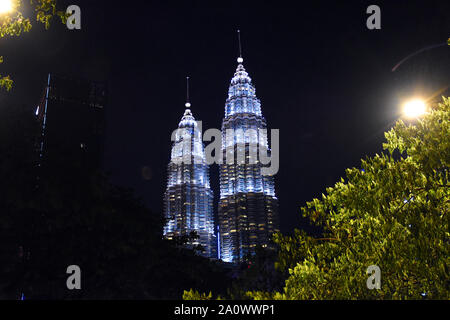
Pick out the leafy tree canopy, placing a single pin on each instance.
(15, 23)
(74, 216)
(393, 212)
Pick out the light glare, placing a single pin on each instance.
(414, 108)
(6, 6)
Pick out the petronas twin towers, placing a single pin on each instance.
(189, 198)
(248, 206)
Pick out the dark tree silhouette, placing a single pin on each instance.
(75, 216)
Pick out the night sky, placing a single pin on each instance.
(323, 79)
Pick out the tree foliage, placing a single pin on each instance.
(77, 217)
(393, 213)
(195, 295)
(15, 23)
(258, 273)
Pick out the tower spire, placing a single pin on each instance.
(187, 104)
(240, 59)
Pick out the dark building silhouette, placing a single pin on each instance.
(71, 115)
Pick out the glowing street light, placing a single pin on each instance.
(6, 6)
(414, 108)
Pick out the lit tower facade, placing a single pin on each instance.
(248, 206)
(188, 200)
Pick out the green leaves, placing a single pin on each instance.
(6, 83)
(393, 213)
(195, 295)
(15, 24)
(46, 10)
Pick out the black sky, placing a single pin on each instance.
(323, 78)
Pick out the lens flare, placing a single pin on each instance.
(6, 6)
(414, 108)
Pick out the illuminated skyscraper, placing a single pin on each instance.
(248, 207)
(188, 199)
